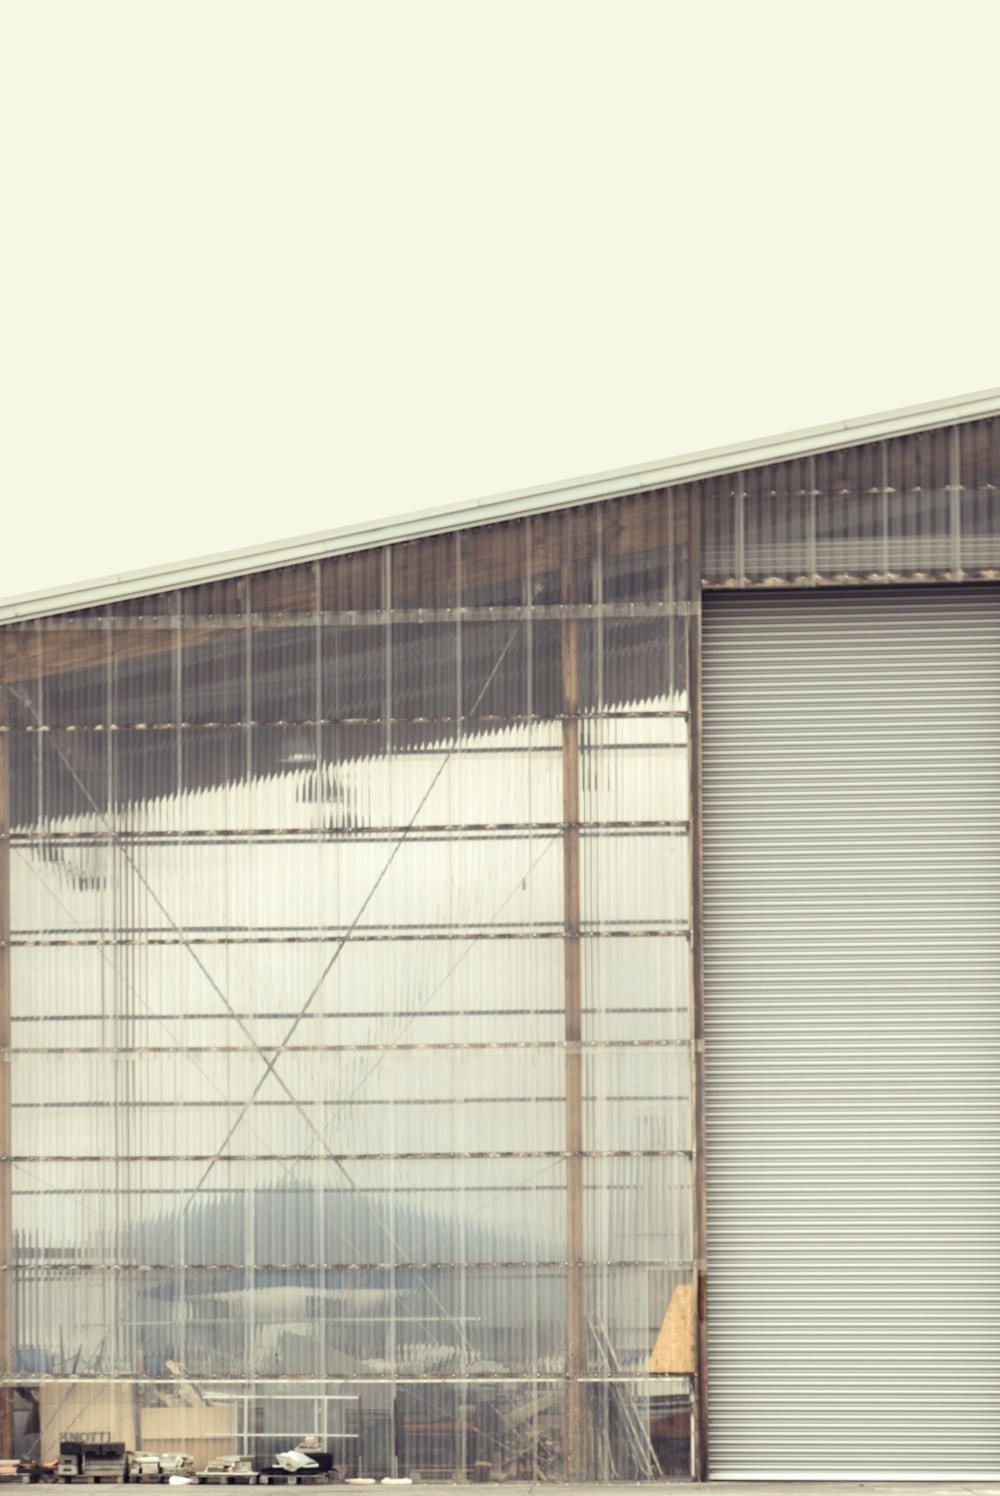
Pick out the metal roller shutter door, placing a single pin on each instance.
(852, 1023)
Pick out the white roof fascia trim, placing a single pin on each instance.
(621, 481)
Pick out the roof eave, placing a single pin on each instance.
(607, 485)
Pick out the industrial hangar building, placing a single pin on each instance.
(516, 992)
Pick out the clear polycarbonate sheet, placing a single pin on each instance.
(915, 508)
(443, 993)
(633, 1198)
(624, 1088)
(299, 865)
(634, 991)
(624, 1309)
(505, 1429)
(349, 902)
(439, 886)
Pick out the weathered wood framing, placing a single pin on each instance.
(348, 583)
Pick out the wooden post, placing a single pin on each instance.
(575, 1427)
(6, 1218)
(700, 1430)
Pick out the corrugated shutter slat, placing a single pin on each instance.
(852, 1019)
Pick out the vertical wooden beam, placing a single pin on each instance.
(6, 1215)
(699, 1224)
(575, 1430)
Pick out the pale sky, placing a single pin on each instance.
(274, 268)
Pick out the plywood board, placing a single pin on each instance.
(204, 1433)
(674, 1352)
(84, 1407)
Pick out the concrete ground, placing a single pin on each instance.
(743, 1488)
(673, 1488)
(747, 1488)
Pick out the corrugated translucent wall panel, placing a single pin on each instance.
(349, 991)
(916, 508)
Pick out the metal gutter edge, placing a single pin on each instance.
(683, 469)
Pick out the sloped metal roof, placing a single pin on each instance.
(683, 469)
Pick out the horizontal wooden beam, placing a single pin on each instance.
(435, 572)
